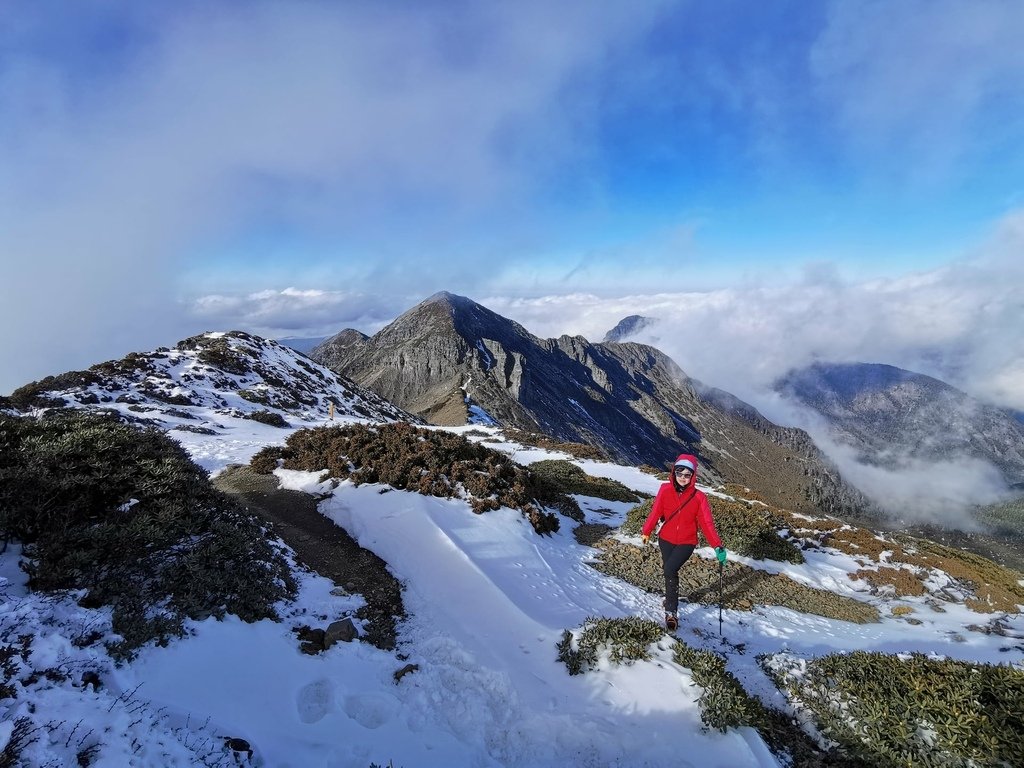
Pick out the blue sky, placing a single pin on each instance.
(293, 168)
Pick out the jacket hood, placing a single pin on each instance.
(690, 458)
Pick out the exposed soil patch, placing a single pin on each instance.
(323, 547)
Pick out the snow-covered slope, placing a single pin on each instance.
(488, 600)
(206, 378)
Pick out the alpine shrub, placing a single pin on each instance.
(566, 477)
(624, 640)
(427, 461)
(889, 710)
(125, 515)
(725, 703)
(269, 418)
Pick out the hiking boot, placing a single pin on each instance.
(671, 622)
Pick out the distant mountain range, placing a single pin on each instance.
(889, 415)
(448, 356)
(450, 361)
(303, 345)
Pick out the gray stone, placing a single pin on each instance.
(343, 630)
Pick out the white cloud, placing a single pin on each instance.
(210, 120)
(914, 77)
(961, 323)
(297, 312)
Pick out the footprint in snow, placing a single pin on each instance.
(315, 700)
(368, 710)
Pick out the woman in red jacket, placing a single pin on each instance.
(683, 508)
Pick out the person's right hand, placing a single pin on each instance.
(645, 538)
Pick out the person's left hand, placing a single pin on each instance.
(720, 554)
(645, 538)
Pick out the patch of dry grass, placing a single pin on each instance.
(548, 443)
(743, 587)
(995, 587)
(992, 587)
(900, 582)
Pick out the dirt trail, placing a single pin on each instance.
(323, 547)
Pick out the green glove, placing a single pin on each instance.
(720, 554)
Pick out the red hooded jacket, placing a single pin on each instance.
(684, 509)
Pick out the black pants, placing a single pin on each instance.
(672, 558)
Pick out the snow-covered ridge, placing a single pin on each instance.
(231, 373)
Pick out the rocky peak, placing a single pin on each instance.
(628, 326)
(333, 350)
(448, 359)
(884, 411)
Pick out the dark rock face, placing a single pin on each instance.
(628, 326)
(449, 352)
(890, 415)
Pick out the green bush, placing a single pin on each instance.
(724, 702)
(431, 462)
(752, 530)
(126, 516)
(626, 640)
(913, 710)
(634, 523)
(270, 418)
(565, 477)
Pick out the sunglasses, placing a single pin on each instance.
(684, 471)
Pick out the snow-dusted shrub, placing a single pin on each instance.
(566, 477)
(725, 703)
(61, 703)
(271, 418)
(125, 515)
(217, 353)
(910, 709)
(32, 394)
(426, 461)
(621, 640)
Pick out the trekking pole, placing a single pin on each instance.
(721, 569)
